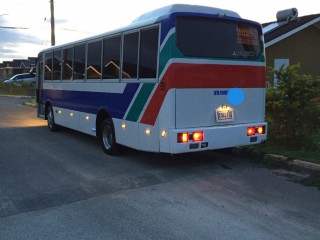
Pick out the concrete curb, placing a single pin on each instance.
(279, 160)
(16, 96)
(305, 166)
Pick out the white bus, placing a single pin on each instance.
(179, 79)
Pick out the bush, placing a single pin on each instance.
(24, 89)
(293, 108)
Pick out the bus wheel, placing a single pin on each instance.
(50, 119)
(107, 137)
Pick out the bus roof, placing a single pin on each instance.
(155, 14)
(154, 17)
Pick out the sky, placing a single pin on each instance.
(76, 19)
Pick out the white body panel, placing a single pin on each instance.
(197, 107)
(83, 122)
(215, 138)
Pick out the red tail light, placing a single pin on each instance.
(251, 131)
(256, 130)
(183, 137)
(197, 136)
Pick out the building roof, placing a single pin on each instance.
(19, 63)
(282, 30)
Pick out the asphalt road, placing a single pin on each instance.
(62, 186)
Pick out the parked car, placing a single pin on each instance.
(22, 78)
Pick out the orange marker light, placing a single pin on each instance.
(251, 131)
(260, 130)
(183, 137)
(197, 136)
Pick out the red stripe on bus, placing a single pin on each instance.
(202, 76)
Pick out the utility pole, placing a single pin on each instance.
(53, 37)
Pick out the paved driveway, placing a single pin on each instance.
(62, 186)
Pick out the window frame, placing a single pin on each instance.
(101, 57)
(45, 64)
(116, 80)
(137, 79)
(63, 64)
(122, 55)
(61, 61)
(157, 57)
(84, 43)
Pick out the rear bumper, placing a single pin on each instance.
(215, 138)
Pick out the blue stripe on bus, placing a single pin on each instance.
(91, 102)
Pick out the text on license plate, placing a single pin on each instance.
(224, 115)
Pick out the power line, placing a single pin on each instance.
(3, 27)
(31, 28)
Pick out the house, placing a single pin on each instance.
(292, 40)
(16, 66)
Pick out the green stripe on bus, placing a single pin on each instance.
(140, 102)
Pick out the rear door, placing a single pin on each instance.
(39, 88)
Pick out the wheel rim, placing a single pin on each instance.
(50, 119)
(107, 137)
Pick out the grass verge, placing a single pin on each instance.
(309, 155)
(15, 89)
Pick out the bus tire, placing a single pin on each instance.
(53, 127)
(108, 137)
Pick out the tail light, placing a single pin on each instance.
(256, 130)
(197, 136)
(261, 130)
(251, 131)
(185, 137)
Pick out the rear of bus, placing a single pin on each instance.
(211, 91)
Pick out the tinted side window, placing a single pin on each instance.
(67, 63)
(48, 66)
(130, 55)
(79, 61)
(111, 57)
(94, 60)
(148, 53)
(22, 76)
(56, 65)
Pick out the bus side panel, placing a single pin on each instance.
(149, 137)
(127, 133)
(167, 120)
(149, 134)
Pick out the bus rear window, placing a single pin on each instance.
(214, 38)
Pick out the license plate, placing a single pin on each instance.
(224, 115)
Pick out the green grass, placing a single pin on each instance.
(301, 154)
(17, 89)
(31, 102)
